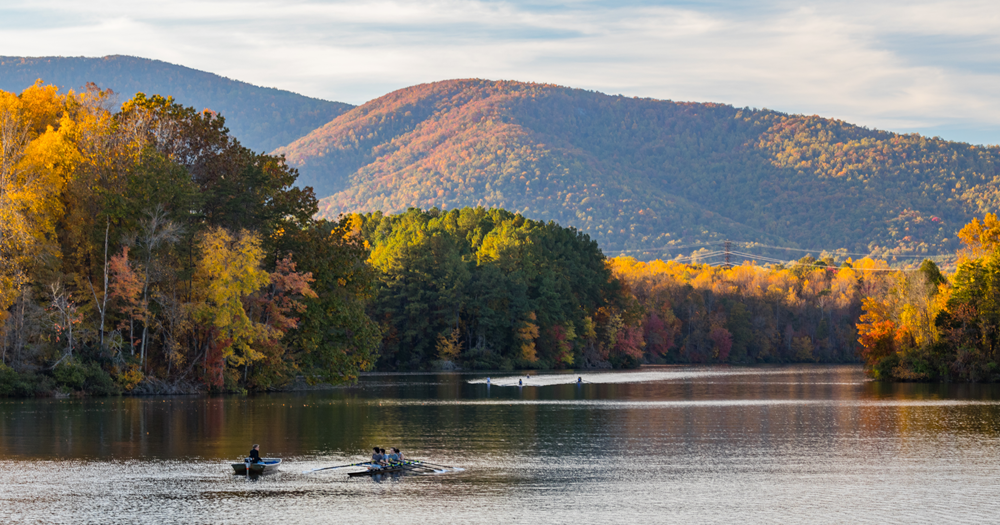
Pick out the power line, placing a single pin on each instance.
(699, 256)
(751, 245)
(671, 247)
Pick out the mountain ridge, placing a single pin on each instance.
(637, 174)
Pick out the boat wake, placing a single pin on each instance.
(644, 376)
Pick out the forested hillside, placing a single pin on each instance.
(649, 177)
(263, 118)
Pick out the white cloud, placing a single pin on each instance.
(896, 65)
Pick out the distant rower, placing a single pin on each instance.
(254, 454)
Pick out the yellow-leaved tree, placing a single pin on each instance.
(228, 272)
(527, 334)
(37, 157)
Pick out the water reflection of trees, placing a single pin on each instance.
(444, 417)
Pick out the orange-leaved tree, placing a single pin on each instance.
(277, 307)
(878, 334)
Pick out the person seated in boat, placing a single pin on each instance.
(254, 454)
(385, 457)
(377, 457)
(392, 457)
(399, 454)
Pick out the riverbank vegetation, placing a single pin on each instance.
(925, 326)
(805, 312)
(491, 289)
(145, 250)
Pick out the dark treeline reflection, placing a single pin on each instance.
(444, 416)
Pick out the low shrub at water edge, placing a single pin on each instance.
(71, 375)
(87, 378)
(68, 377)
(99, 382)
(936, 363)
(26, 384)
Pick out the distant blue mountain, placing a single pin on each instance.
(261, 118)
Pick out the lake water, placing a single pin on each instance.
(715, 445)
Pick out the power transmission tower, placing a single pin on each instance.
(727, 256)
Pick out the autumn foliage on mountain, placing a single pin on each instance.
(262, 118)
(643, 175)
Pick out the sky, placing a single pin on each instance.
(930, 67)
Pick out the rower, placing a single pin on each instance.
(399, 454)
(392, 457)
(487, 381)
(519, 383)
(377, 457)
(254, 454)
(579, 380)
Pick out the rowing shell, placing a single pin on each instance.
(408, 466)
(373, 470)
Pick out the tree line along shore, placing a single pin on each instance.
(144, 250)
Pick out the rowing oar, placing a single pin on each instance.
(408, 464)
(439, 466)
(338, 466)
(421, 469)
(413, 467)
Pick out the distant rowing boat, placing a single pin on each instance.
(265, 466)
(373, 470)
(414, 466)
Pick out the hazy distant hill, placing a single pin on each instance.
(643, 174)
(261, 118)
